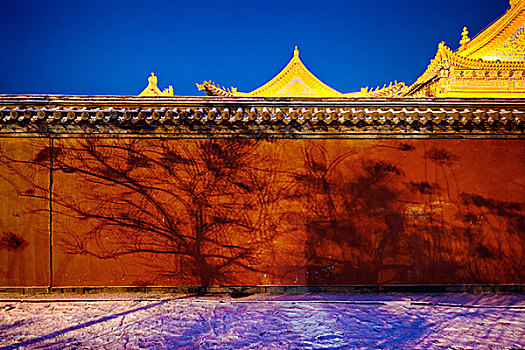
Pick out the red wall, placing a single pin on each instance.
(246, 212)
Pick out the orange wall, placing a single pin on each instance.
(24, 213)
(246, 212)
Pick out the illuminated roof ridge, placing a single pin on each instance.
(295, 80)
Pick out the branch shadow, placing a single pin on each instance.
(79, 326)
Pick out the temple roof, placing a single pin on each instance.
(502, 40)
(492, 64)
(295, 80)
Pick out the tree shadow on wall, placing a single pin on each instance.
(367, 223)
(353, 216)
(205, 212)
(12, 242)
(194, 211)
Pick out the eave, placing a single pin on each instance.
(446, 57)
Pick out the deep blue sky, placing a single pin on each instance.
(110, 47)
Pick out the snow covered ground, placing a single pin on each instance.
(307, 321)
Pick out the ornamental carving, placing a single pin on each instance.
(514, 49)
(296, 88)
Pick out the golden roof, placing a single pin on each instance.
(490, 65)
(503, 40)
(295, 80)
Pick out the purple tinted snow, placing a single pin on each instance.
(465, 299)
(307, 321)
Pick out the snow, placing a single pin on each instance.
(306, 321)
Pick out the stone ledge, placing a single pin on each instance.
(248, 290)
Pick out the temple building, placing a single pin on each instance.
(490, 65)
(291, 185)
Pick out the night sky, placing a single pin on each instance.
(111, 47)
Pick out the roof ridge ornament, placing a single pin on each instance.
(152, 79)
(464, 38)
(153, 90)
(296, 52)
